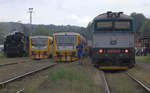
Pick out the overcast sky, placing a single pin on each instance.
(64, 12)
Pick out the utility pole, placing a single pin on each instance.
(31, 11)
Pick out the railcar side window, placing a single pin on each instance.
(122, 25)
(104, 25)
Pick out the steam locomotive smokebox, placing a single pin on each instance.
(16, 44)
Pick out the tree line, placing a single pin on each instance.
(142, 25)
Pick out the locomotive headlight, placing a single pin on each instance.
(100, 51)
(126, 50)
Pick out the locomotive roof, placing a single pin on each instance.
(66, 33)
(105, 15)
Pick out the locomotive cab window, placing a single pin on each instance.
(118, 25)
(123, 25)
(104, 25)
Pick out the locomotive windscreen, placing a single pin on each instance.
(123, 25)
(39, 43)
(104, 25)
(113, 25)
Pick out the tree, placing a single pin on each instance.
(2, 34)
(42, 30)
(145, 28)
(89, 30)
(139, 20)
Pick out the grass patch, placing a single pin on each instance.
(2, 56)
(70, 78)
(143, 59)
(62, 78)
(64, 74)
(121, 83)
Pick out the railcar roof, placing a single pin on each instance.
(104, 15)
(39, 36)
(66, 33)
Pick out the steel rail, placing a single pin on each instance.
(106, 83)
(9, 64)
(20, 91)
(12, 63)
(23, 75)
(139, 82)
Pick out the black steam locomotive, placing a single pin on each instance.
(16, 44)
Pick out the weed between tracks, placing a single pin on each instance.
(143, 59)
(141, 74)
(62, 78)
(121, 83)
(67, 79)
(62, 74)
(2, 56)
(70, 78)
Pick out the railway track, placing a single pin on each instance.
(20, 91)
(14, 63)
(139, 82)
(108, 87)
(3, 83)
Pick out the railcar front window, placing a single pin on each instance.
(122, 25)
(104, 25)
(65, 42)
(39, 43)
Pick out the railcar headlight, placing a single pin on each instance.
(100, 51)
(126, 50)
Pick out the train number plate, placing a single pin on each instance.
(113, 50)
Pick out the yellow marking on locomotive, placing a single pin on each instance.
(113, 67)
